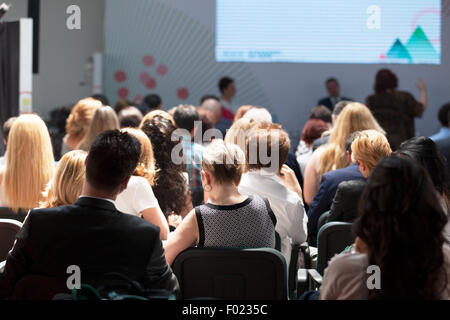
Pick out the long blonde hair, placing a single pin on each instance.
(146, 165)
(29, 162)
(354, 117)
(105, 119)
(67, 184)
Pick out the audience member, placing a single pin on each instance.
(321, 113)
(102, 98)
(104, 119)
(269, 178)
(130, 117)
(208, 123)
(395, 110)
(6, 128)
(91, 233)
(151, 102)
(258, 114)
(171, 183)
(66, 185)
(334, 95)
(213, 106)
(207, 97)
(138, 198)
(122, 104)
(229, 219)
(326, 135)
(29, 165)
(399, 229)
(78, 123)
(442, 138)
(227, 90)
(332, 156)
(368, 149)
(239, 132)
(185, 117)
(312, 130)
(327, 189)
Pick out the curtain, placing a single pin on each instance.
(9, 71)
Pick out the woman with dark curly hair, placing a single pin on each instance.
(171, 188)
(399, 229)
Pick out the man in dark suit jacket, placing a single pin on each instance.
(91, 234)
(327, 190)
(334, 97)
(345, 203)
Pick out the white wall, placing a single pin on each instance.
(63, 53)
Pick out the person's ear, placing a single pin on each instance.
(207, 177)
(86, 160)
(349, 157)
(124, 184)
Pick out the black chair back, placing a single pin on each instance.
(333, 238)
(8, 231)
(231, 274)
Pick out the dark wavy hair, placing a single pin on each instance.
(424, 151)
(170, 186)
(385, 80)
(401, 221)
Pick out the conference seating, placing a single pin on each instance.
(323, 219)
(8, 231)
(231, 273)
(8, 213)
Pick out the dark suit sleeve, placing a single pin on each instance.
(320, 204)
(159, 275)
(337, 207)
(18, 261)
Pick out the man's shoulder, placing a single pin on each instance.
(352, 185)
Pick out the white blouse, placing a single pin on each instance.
(137, 197)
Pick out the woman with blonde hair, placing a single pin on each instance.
(67, 184)
(332, 156)
(105, 118)
(157, 113)
(78, 122)
(29, 164)
(138, 198)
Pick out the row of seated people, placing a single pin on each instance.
(270, 189)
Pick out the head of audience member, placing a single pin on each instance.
(385, 80)
(222, 167)
(368, 148)
(400, 228)
(354, 117)
(29, 162)
(158, 113)
(102, 98)
(239, 132)
(7, 127)
(122, 104)
(424, 151)
(313, 130)
(67, 183)
(332, 86)
(170, 187)
(321, 113)
(146, 164)
(152, 102)
(79, 121)
(259, 115)
(185, 117)
(444, 115)
(105, 119)
(241, 112)
(267, 148)
(227, 88)
(130, 117)
(338, 109)
(111, 161)
(208, 122)
(209, 96)
(213, 106)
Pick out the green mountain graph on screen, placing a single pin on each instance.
(418, 49)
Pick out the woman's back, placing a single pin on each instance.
(250, 224)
